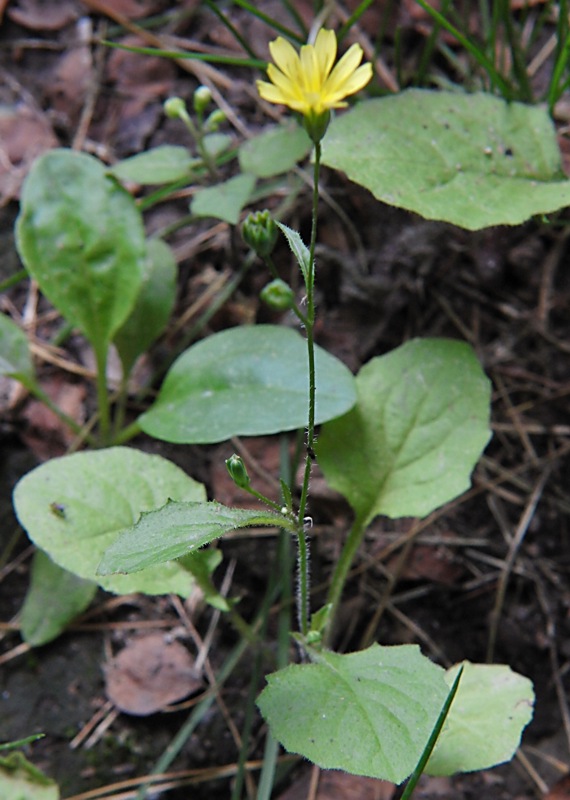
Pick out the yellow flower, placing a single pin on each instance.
(307, 82)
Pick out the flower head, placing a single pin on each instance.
(307, 82)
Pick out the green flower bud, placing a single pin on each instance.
(259, 231)
(278, 295)
(175, 108)
(214, 120)
(238, 472)
(316, 124)
(202, 99)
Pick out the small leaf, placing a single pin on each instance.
(224, 201)
(100, 493)
(419, 425)
(175, 530)
(369, 713)
(80, 235)
(54, 598)
(470, 159)
(300, 250)
(274, 151)
(246, 381)
(164, 164)
(216, 143)
(15, 360)
(20, 780)
(153, 306)
(484, 727)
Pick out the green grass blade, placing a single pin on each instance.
(354, 17)
(269, 21)
(234, 61)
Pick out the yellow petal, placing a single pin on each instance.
(285, 57)
(325, 51)
(310, 69)
(345, 67)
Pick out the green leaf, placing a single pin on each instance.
(274, 151)
(368, 713)
(73, 508)
(164, 164)
(419, 425)
(473, 160)
(201, 564)
(20, 780)
(15, 360)
(246, 381)
(153, 306)
(177, 529)
(80, 235)
(484, 727)
(299, 249)
(54, 598)
(216, 143)
(224, 201)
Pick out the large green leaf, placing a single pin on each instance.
(246, 381)
(274, 151)
(473, 160)
(153, 306)
(54, 598)
(20, 780)
(490, 710)
(81, 237)
(419, 425)
(176, 530)
(15, 360)
(73, 508)
(369, 713)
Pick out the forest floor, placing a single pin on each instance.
(503, 290)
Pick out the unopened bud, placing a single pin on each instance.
(238, 472)
(202, 99)
(259, 231)
(215, 120)
(278, 295)
(175, 108)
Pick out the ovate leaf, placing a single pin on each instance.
(369, 713)
(164, 164)
(15, 360)
(484, 727)
(153, 305)
(80, 235)
(246, 381)
(176, 530)
(419, 425)
(274, 151)
(470, 159)
(224, 201)
(73, 508)
(54, 598)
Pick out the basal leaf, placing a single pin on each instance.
(80, 235)
(15, 360)
(368, 713)
(164, 164)
(418, 427)
(470, 159)
(225, 200)
(73, 508)
(274, 151)
(484, 727)
(175, 530)
(246, 381)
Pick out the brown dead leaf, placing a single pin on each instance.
(560, 790)
(24, 135)
(39, 15)
(46, 435)
(265, 451)
(335, 785)
(151, 672)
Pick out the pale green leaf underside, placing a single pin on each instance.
(490, 710)
(368, 713)
(246, 381)
(472, 160)
(176, 530)
(419, 425)
(20, 780)
(99, 494)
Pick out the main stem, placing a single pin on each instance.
(309, 328)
